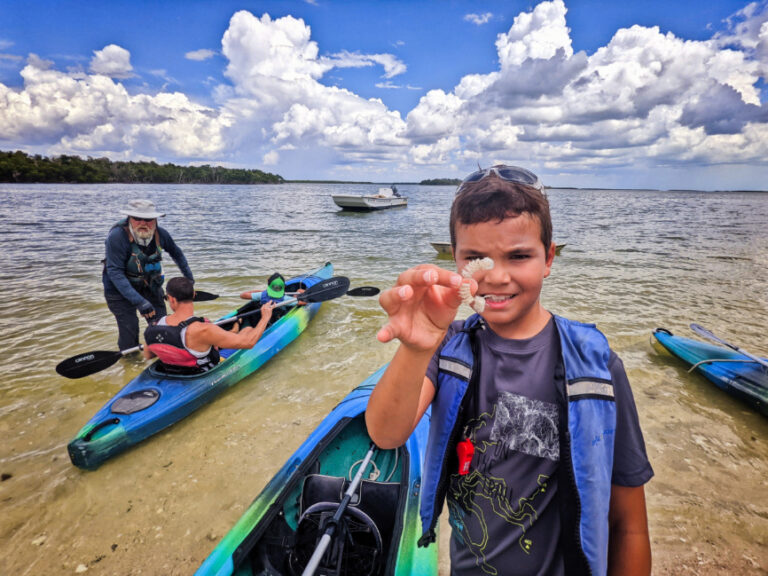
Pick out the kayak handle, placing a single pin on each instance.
(99, 426)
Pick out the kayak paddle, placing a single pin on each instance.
(322, 546)
(363, 291)
(327, 289)
(707, 334)
(203, 296)
(91, 362)
(98, 360)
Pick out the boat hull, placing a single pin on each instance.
(259, 543)
(727, 369)
(359, 203)
(173, 397)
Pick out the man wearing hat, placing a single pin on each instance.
(133, 274)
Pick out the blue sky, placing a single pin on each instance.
(586, 93)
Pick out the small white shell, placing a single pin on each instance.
(473, 266)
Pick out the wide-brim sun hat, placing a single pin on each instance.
(141, 209)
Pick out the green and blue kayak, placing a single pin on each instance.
(155, 399)
(378, 532)
(728, 369)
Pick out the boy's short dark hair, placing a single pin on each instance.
(183, 289)
(492, 198)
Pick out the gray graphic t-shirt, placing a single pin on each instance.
(504, 513)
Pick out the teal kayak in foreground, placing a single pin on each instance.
(154, 399)
(378, 532)
(729, 370)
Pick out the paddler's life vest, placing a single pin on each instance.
(143, 270)
(267, 298)
(588, 424)
(167, 343)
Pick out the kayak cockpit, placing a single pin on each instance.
(368, 533)
(160, 370)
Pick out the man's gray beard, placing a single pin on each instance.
(142, 238)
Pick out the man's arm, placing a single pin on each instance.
(629, 546)
(207, 334)
(175, 252)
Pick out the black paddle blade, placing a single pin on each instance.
(87, 364)
(203, 296)
(363, 291)
(325, 290)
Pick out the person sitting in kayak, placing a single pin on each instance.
(187, 344)
(275, 291)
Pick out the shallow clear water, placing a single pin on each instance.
(634, 260)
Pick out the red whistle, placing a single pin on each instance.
(465, 450)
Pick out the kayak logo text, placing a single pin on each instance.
(84, 358)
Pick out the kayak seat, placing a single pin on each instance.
(164, 369)
(376, 501)
(354, 550)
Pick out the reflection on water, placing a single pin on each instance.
(633, 261)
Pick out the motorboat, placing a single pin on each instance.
(385, 198)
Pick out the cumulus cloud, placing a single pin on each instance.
(93, 114)
(275, 69)
(479, 19)
(200, 55)
(644, 98)
(113, 61)
(392, 65)
(271, 158)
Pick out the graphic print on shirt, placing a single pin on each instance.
(517, 424)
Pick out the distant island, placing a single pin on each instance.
(441, 182)
(22, 168)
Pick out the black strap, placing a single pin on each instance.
(472, 403)
(189, 321)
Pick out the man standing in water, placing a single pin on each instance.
(133, 274)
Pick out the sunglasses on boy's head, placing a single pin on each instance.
(508, 173)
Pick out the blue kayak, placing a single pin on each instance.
(155, 399)
(377, 535)
(728, 369)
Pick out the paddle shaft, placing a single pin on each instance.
(317, 555)
(252, 312)
(324, 290)
(203, 296)
(707, 334)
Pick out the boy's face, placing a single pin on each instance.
(511, 289)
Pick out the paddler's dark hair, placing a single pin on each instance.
(183, 289)
(495, 199)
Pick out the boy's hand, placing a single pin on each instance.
(421, 306)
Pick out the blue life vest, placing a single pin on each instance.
(267, 298)
(588, 442)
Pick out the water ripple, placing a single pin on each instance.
(634, 260)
